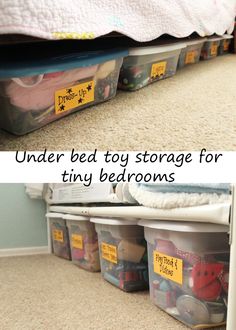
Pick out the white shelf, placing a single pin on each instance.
(215, 213)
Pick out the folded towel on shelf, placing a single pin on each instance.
(141, 20)
(168, 196)
(217, 188)
(35, 190)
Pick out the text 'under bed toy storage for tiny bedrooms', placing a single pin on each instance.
(145, 65)
(39, 87)
(59, 235)
(123, 253)
(83, 242)
(188, 270)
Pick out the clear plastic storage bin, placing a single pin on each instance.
(191, 54)
(145, 65)
(123, 254)
(83, 242)
(36, 91)
(224, 44)
(210, 48)
(188, 270)
(59, 235)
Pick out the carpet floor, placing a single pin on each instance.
(46, 292)
(195, 109)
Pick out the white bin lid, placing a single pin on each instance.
(227, 36)
(156, 49)
(194, 41)
(114, 222)
(210, 39)
(181, 226)
(75, 217)
(54, 215)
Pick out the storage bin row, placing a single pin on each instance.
(34, 93)
(186, 265)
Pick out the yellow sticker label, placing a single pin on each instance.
(190, 57)
(74, 97)
(158, 69)
(226, 45)
(109, 252)
(58, 235)
(168, 267)
(77, 241)
(214, 49)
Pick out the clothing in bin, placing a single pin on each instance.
(145, 65)
(83, 242)
(59, 235)
(123, 253)
(35, 92)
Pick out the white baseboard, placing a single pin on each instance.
(24, 251)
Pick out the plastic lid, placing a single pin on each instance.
(228, 36)
(54, 215)
(215, 38)
(75, 217)
(115, 222)
(156, 49)
(194, 41)
(182, 226)
(59, 63)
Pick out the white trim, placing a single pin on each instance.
(24, 251)
(231, 316)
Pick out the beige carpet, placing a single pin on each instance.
(46, 292)
(194, 109)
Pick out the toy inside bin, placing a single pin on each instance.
(83, 242)
(210, 48)
(191, 53)
(59, 235)
(34, 92)
(225, 44)
(123, 253)
(188, 270)
(145, 65)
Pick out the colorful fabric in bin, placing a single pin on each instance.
(124, 262)
(190, 286)
(210, 48)
(84, 247)
(135, 77)
(60, 240)
(225, 44)
(32, 95)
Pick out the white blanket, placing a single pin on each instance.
(139, 19)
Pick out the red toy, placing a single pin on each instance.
(205, 280)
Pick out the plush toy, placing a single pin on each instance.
(204, 281)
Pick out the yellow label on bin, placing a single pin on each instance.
(190, 57)
(214, 49)
(77, 241)
(168, 267)
(226, 45)
(74, 97)
(109, 252)
(158, 69)
(58, 235)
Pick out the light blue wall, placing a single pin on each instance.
(22, 220)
